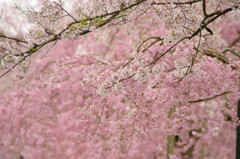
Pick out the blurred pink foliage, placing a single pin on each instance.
(111, 94)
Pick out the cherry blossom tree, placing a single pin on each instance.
(118, 79)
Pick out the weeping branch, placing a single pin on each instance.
(210, 98)
(109, 17)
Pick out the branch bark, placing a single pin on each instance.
(210, 98)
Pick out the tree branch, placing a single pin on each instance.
(11, 38)
(202, 26)
(210, 98)
(204, 8)
(176, 3)
(217, 55)
(37, 47)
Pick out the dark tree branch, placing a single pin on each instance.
(237, 40)
(210, 98)
(232, 51)
(217, 55)
(176, 3)
(204, 8)
(150, 38)
(11, 38)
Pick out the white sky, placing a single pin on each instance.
(29, 2)
(67, 3)
(5, 4)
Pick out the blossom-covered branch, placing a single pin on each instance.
(155, 79)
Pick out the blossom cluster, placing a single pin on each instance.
(154, 106)
(131, 89)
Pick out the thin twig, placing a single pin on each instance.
(66, 11)
(49, 49)
(189, 69)
(150, 38)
